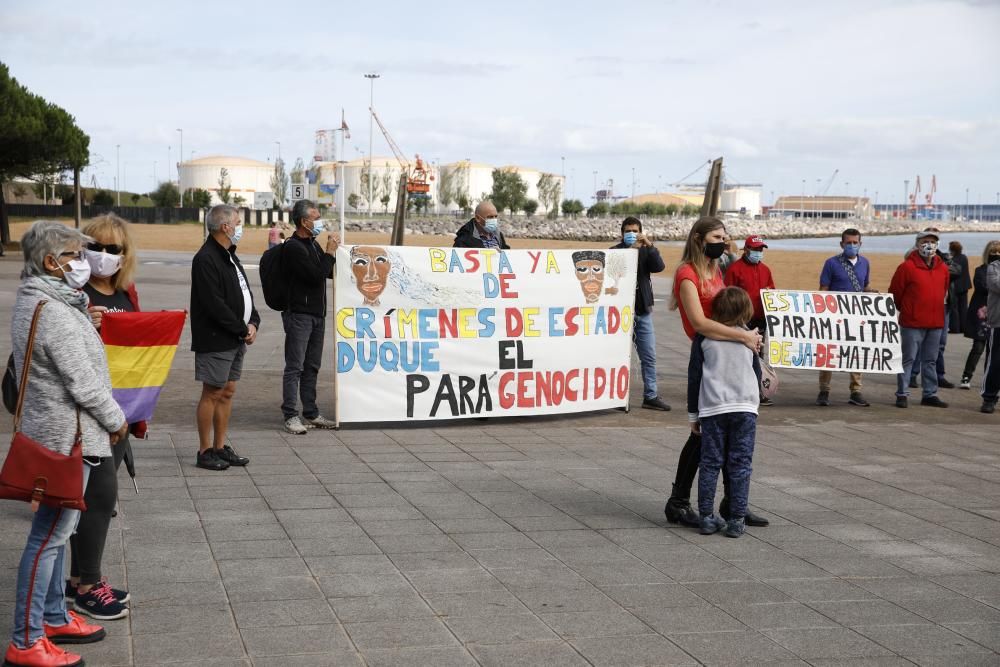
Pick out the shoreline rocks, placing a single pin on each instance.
(674, 229)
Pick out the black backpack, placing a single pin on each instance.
(10, 388)
(272, 278)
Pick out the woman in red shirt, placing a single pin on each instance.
(697, 280)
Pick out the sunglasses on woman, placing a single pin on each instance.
(111, 249)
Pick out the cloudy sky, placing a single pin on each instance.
(882, 90)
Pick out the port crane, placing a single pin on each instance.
(914, 197)
(417, 177)
(829, 183)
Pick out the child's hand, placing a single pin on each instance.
(696, 428)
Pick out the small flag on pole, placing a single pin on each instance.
(343, 125)
(140, 349)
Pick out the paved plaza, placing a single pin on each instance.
(543, 542)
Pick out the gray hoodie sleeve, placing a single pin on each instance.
(75, 366)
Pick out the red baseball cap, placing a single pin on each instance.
(755, 242)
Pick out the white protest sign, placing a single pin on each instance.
(444, 333)
(832, 331)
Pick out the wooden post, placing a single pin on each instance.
(336, 375)
(399, 219)
(76, 196)
(713, 189)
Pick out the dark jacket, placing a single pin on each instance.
(306, 268)
(649, 262)
(919, 292)
(975, 326)
(217, 300)
(961, 282)
(465, 238)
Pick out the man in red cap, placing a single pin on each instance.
(750, 273)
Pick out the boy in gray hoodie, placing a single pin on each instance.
(723, 397)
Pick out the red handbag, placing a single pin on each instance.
(34, 473)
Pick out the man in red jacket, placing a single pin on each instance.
(919, 288)
(750, 273)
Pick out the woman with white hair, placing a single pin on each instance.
(68, 396)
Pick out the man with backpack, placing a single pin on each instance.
(298, 272)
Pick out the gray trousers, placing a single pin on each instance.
(303, 358)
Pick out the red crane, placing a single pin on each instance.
(913, 199)
(929, 199)
(416, 178)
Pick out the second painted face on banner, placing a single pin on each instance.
(589, 265)
(371, 266)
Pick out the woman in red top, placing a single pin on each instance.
(697, 280)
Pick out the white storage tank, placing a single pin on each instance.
(735, 200)
(246, 176)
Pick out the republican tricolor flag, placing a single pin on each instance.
(140, 348)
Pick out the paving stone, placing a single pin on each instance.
(167, 647)
(499, 629)
(922, 640)
(827, 643)
(409, 657)
(549, 599)
(475, 603)
(354, 584)
(400, 634)
(677, 620)
(291, 640)
(779, 615)
(731, 648)
(578, 624)
(145, 619)
(633, 651)
(453, 581)
(865, 613)
(380, 607)
(279, 613)
(528, 654)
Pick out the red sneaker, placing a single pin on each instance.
(42, 653)
(77, 631)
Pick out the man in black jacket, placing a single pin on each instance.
(642, 333)
(483, 231)
(306, 265)
(223, 322)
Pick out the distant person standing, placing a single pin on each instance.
(953, 271)
(274, 235)
(919, 288)
(483, 231)
(991, 383)
(752, 275)
(976, 325)
(307, 266)
(961, 283)
(643, 334)
(223, 322)
(847, 272)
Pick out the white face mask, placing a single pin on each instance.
(76, 273)
(237, 235)
(103, 264)
(928, 249)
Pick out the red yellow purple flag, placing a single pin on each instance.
(140, 349)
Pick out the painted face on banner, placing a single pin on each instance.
(589, 266)
(370, 266)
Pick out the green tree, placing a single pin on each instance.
(102, 198)
(509, 190)
(446, 187)
(165, 195)
(354, 200)
(462, 201)
(238, 200)
(385, 187)
(530, 206)
(197, 198)
(135, 198)
(572, 207)
(385, 203)
(672, 209)
(599, 210)
(367, 185)
(36, 137)
(279, 183)
(225, 186)
(690, 210)
(549, 192)
(298, 173)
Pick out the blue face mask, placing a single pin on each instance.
(852, 249)
(317, 227)
(491, 225)
(630, 238)
(237, 234)
(754, 256)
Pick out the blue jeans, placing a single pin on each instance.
(940, 353)
(41, 590)
(920, 346)
(727, 440)
(303, 357)
(645, 346)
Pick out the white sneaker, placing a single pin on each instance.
(966, 383)
(319, 421)
(295, 426)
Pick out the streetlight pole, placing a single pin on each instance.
(906, 195)
(633, 183)
(170, 178)
(180, 161)
(816, 201)
(371, 128)
(118, 191)
(154, 174)
(802, 202)
(966, 203)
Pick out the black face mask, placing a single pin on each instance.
(993, 258)
(715, 250)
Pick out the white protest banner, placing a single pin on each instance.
(444, 333)
(832, 331)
